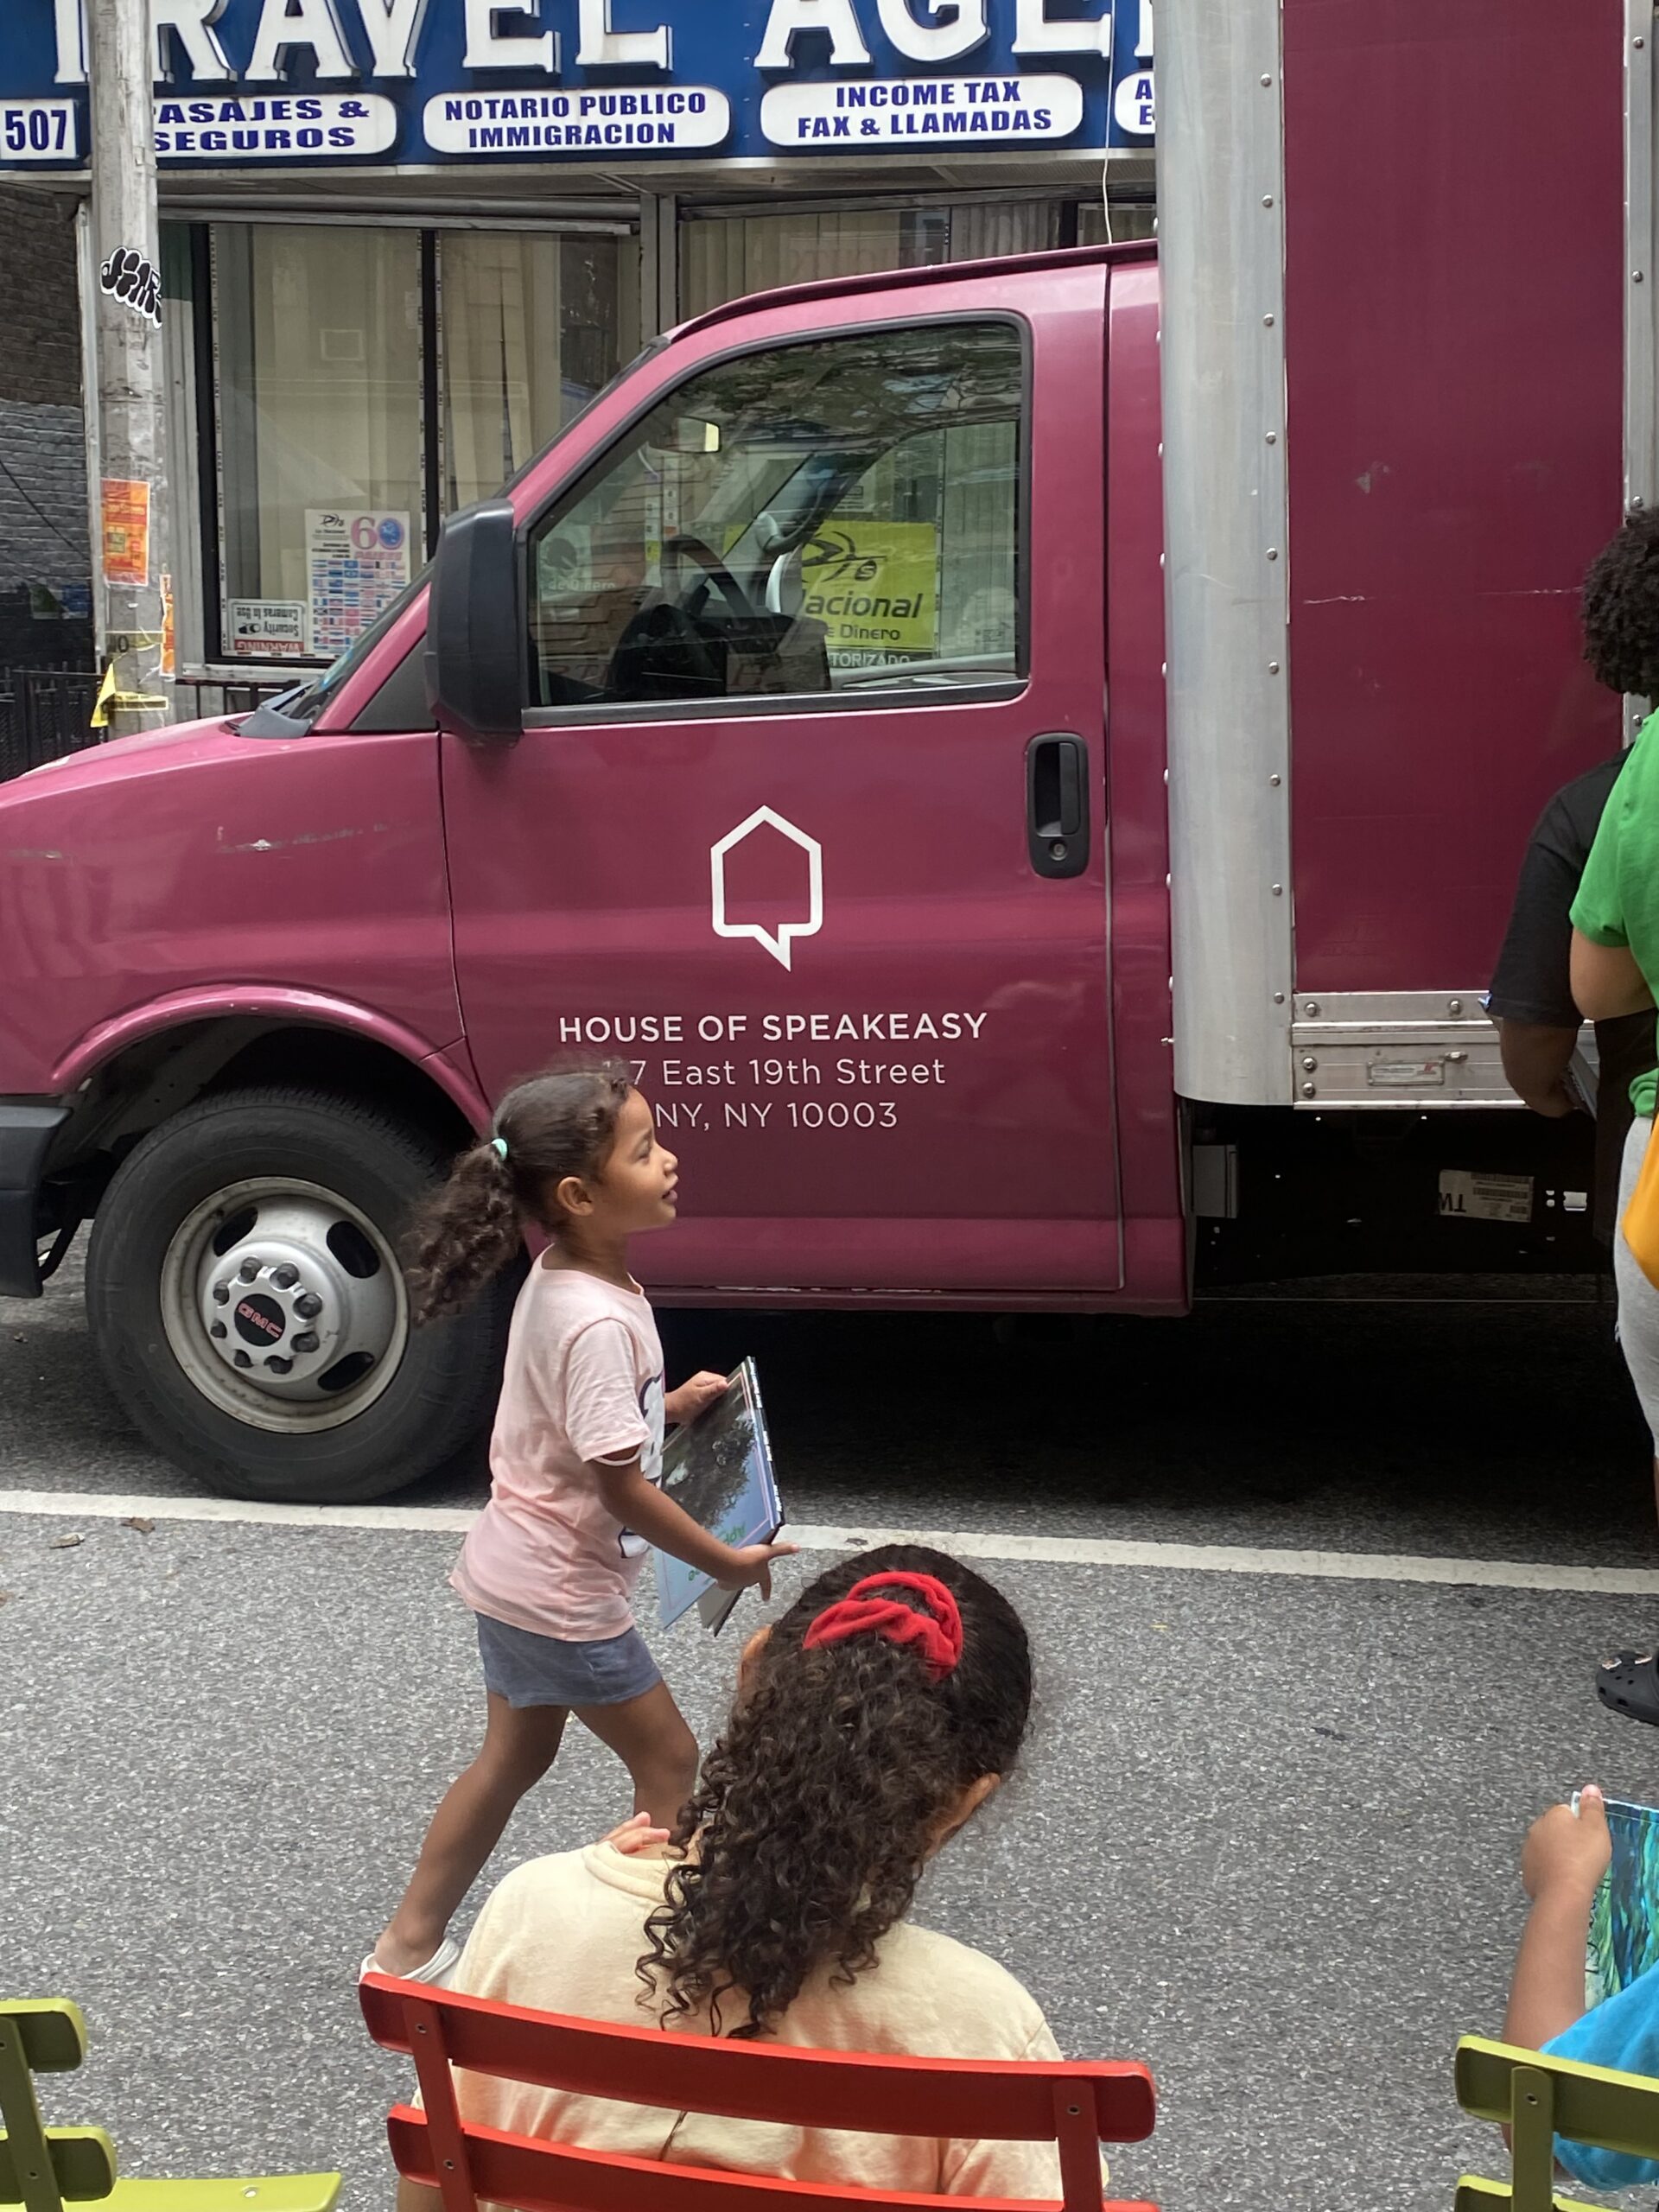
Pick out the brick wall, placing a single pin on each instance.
(45, 565)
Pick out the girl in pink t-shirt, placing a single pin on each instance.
(575, 1460)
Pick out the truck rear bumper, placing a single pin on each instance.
(27, 1128)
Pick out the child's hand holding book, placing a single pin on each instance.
(1567, 1849)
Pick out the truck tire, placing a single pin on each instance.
(249, 1312)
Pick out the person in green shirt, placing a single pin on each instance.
(1615, 963)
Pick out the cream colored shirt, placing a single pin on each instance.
(562, 1935)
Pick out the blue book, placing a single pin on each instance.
(719, 1468)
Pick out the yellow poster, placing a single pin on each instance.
(126, 531)
(169, 635)
(875, 586)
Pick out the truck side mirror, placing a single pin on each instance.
(474, 626)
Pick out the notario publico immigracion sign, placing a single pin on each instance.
(382, 83)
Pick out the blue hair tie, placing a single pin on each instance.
(500, 1147)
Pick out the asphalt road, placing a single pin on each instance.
(1266, 1832)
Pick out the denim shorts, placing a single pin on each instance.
(529, 1669)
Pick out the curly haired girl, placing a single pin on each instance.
(871, 1723)
(550, 1565)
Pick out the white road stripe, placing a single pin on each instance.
(95, 1505)
(1054, 1551)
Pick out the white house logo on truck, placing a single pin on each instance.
(779, 938)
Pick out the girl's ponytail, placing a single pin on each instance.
(463, 1235)
(555, 1125)
(854, 1735)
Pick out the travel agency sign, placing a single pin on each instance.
(385, 83)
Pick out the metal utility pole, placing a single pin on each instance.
(133, 559)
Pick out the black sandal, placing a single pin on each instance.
(1630, 1685)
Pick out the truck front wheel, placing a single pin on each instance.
(249, 1313)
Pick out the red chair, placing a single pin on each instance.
(1078, 2106)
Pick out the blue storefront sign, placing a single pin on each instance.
(382, 83)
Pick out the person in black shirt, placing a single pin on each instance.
(1531, 998)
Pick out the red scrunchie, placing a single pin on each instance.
(937, 1633)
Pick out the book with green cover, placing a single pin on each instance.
(1624, 1942)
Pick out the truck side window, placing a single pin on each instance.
(401, 702)
(841, 515)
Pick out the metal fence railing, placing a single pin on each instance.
(197, 696)
(46, 712)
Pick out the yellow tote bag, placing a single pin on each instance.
(1641, 1223)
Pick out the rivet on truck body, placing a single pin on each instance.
(1454, 1005)
(1278, 998)
(1309, 1090)
(1273, 437)
(1308, 1063)
(1312, 1009)
(1278, 890)
(1276, 781)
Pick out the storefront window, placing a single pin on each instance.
(723, 255)
(1135, 219)
(318, 330)
(825, 516)
(331, 479)
(531, 327)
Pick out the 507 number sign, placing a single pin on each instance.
(38, 130)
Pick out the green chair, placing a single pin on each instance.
(43, 2169)
(1538, 2099)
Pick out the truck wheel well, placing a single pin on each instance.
(334, 1059)
(143, 1087)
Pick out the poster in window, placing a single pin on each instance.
(358, 562)
(125, 504)
(876, 586)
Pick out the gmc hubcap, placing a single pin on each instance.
(283, 1304)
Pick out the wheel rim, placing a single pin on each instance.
(283, 1304)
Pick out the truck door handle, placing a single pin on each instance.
(1057, 805)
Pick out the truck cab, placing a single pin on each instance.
(756, 737)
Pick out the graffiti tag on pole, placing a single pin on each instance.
(126, 276)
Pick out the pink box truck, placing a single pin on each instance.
(1029, 759)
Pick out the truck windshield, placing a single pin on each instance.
(290, 714)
